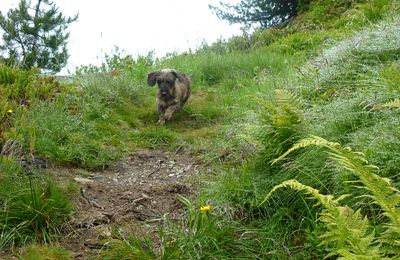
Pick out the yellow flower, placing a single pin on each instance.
(10, 111)
(205, 209)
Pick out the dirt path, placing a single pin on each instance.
(136, 193)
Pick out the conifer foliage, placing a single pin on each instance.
(256, 12)
(34, 35)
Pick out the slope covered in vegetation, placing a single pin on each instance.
(277, 108)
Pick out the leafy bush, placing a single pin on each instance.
(306, 41)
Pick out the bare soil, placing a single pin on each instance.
(136, 195)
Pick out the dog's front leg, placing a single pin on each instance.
(161, 120)
(161, 112)
(170, 111)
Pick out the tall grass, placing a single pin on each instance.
(33, 208)
(354, 64)
(54, 134)
(208, 69)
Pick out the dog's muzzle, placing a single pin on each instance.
(164, 90)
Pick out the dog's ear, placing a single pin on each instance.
(182, 77)
(152, 78)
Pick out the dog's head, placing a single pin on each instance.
(165, 80)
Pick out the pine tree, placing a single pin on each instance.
(252, 12)
(34, 36)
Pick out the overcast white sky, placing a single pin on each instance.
(137, 26)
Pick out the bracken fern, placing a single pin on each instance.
(281, 117)
(346, 229)
(391, 104)
(353, 235)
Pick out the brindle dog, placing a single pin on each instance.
(173, 92)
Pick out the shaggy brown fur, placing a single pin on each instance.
(173, 91)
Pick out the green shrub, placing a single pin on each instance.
(302, 41)
(118, 63)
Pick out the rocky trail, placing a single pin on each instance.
(135, 195)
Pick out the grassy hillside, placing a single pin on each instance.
(313, 107)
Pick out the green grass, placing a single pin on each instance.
(33, 207)
(54, 134)
(37, 252)
(356, 64)
(380, 142)
(131, 247)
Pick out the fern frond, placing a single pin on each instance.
(312, 140)
(349, 231)
(285, 98)
(327, 201)
(281, 119)
(391, 104)
(390, 239)
(381, 191)
(346, 255)
(260, 101)
(280, 98)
